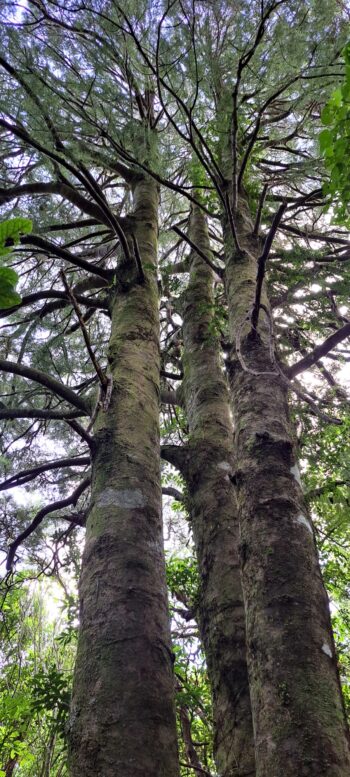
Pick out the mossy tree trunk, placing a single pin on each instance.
(214, 516)
(122, 720)
(297, 707)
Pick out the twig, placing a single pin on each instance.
(259, 211)
(99, 372)
(44, 379)
(69, 500)
(25, 475)
(217, 270)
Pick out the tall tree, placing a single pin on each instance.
(280, 575)
(206, 463)
(101, 104)
(124, 648)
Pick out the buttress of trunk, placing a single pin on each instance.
(214, 517)
(297, 706)
(122, 719)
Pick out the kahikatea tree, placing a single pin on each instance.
(282, 587)
(124, 646)
(205, 461)
(102, 105)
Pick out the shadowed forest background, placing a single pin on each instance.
(174, 304)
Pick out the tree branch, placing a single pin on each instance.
(170, 491)
(59, 505)
(48, 415)
(99, 372)
(217, 270)
(47, 381)
(170, 398)
(25, 475)
(262, 263)
(56, 250)
(320, 350)
(259, 211)
(66, 191)
(171, 375)
(37, 296)
(175, 455)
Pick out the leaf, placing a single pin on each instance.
(10, 232)
(8, 295)
(336, 98)
(327, 115)
(326, 138)
(9, 275)
(346, 54)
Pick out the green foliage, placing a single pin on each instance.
(10, 232)
(51, 693)
(335, 145)
(327, 479)
(35, 682)
(182, 576)
(8, 294)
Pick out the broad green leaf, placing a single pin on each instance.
(327, 115)
(8, 295)
(336, 98)
(10, 232)
(326, 137)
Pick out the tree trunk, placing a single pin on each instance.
(297, 706)
(123, 720)
(214, 517)
(48, 754)
(10, 766)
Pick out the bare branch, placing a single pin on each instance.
(217, 270)
(262, 263)
(170, 491)
(99, 372)
(320, 350)
(47, 415)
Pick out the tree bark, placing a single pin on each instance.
(122, 719)
(297, 706)
(213, 514)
